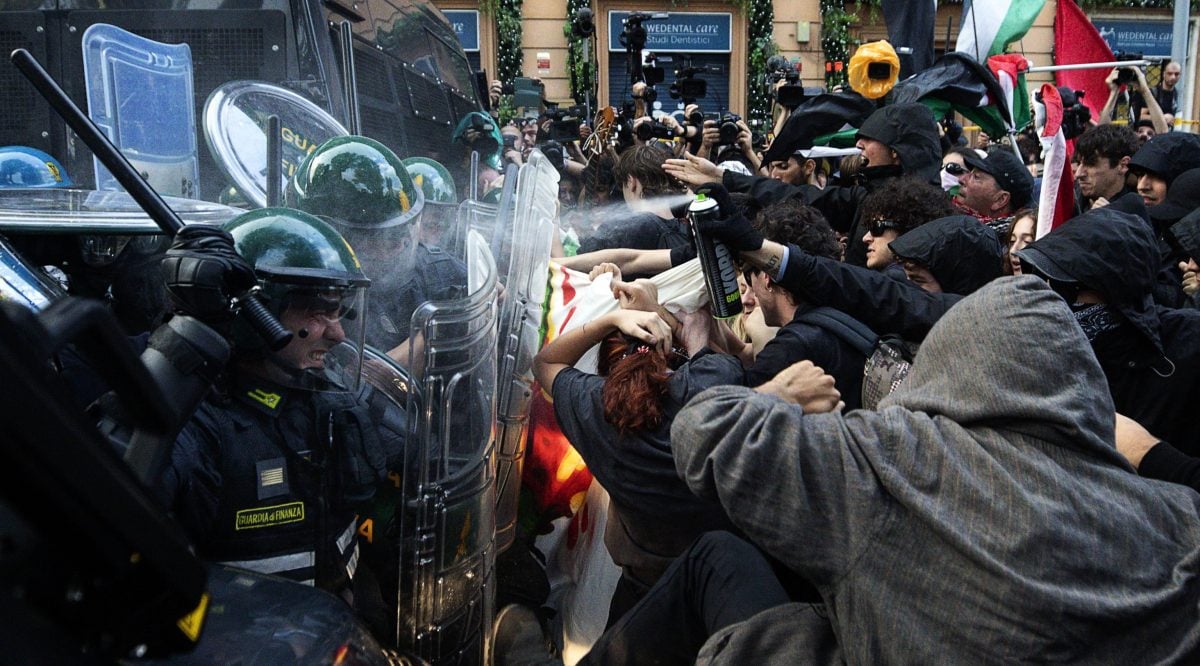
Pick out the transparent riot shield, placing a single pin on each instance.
(24, 284)
(535, 207)
(493, 221)
(235, 128)
(446, 604)
(140, 94)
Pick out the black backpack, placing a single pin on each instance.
(888, 357)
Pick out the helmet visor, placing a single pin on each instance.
(328, 336)
(389, 259)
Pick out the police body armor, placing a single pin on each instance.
(289, 485)
(436, 276)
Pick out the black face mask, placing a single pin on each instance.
(877, 173)
(1111, 335)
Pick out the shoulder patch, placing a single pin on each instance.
(264, 398)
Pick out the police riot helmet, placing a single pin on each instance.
(433, 179)
(310, 278)
(441, 200)
(479, 132)
(24, 167)
(357, 182)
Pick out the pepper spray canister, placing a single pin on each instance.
(716, 262)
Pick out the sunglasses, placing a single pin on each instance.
(878, 228)
(954, 168)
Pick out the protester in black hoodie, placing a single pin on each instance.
(1183, 196)
(1150, 354)
(1185, 235)
(953, 254)
(1104, 263)
(897, 139)
(1160, 161)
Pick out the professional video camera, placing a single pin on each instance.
(1076, 115)
(564, 123)
(633, 33)
(790, 94)
(686, 86)
(1126, 75)
(583, 23)
(633, 38)
(654, 130)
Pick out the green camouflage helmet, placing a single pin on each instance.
(433, 179)
(359, 182)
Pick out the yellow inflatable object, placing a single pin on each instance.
(868, 54)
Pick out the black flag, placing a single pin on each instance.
(817, 116)
(910, 26)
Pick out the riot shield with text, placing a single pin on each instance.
(447, 596)
(535, 207)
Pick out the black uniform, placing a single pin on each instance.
(436, 276)
(267, 478)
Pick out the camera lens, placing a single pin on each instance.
(728, 130)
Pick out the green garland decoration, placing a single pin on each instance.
(836, 40)
(760, 15)
(582, 71)
(507, 15)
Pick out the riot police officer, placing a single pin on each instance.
(269, 470)
(441, 202)
(363, 189)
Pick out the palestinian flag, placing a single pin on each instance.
(957, 82)
(1057, 200)
(817, 117)
(1009, 70)
(988, 27)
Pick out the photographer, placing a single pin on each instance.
(1165, 93)
(1125, 76)
(513, 149)
(664, 128)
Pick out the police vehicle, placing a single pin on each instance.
(189, 91)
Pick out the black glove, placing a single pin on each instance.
(682, 254)
(733, 228)
(203, 272)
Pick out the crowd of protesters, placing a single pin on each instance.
(1026, 492)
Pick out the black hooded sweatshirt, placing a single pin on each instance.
(961, 253)
(1116, 252)
(1152, 360)
(908, 129)
(1185, 234)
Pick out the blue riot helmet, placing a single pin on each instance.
(25, 167)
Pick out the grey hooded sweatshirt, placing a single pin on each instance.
(982, 515)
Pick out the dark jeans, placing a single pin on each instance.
(718, 581)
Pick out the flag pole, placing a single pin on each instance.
(1091, 65)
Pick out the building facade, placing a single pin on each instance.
(713, 35)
